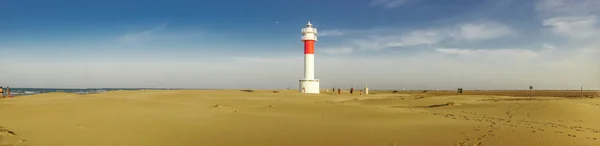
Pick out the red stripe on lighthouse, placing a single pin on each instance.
(309, 47)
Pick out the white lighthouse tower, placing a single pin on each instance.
(309, 84)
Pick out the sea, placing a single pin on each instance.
(33, 91)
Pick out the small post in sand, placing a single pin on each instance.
(581, 91)
(530, 89)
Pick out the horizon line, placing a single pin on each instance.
(371, 89)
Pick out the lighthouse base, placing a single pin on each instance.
(309, 86)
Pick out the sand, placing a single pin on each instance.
(234, 118)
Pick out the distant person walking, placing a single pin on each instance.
(1, 92)
(351, 90)
(8, 92)
(339, 91)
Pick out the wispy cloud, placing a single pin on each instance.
(553, 8)
(549, 47)
(340, 50)
(414, 38)
(255, 59)
(483, 31)
(463, 33)
(492, 53)
(141, 36)
(576, 20)
(388, 4)
(330, 33)
(453, 51)
(580, 27)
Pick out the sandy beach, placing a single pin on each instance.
(288, 118)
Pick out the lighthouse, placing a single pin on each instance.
(309, 84)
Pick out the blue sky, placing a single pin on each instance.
(388, 44)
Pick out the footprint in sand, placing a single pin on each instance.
(9, 138)
(3, 130)
(575, 127)
(82, 127)
(220, 106)
(484, 136)
(541, 129)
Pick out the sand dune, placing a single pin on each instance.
(232, 117)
